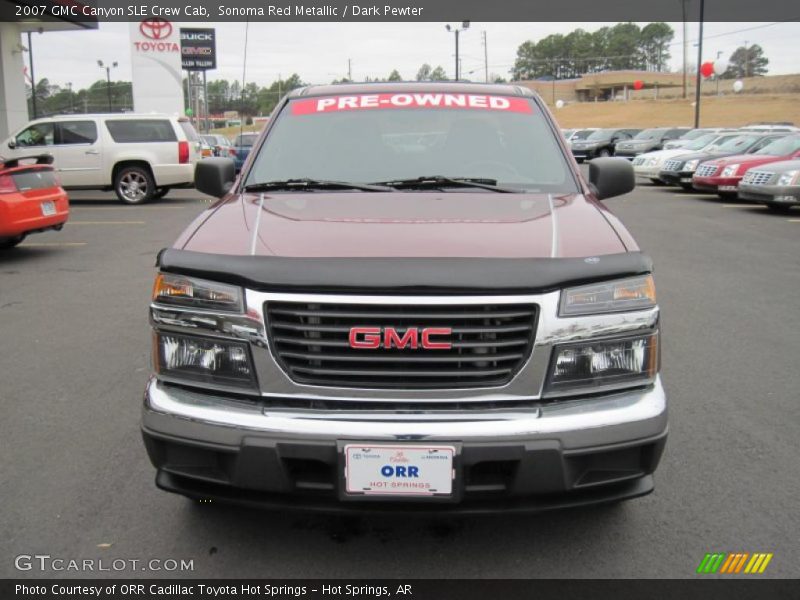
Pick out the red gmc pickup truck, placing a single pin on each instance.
(409, 299)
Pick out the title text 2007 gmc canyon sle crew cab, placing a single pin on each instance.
(409, 299)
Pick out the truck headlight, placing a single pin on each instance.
(730, 170)
(601, 363)
(204, 360)
(789, 178)
(635, 293)
(190, 292)
(691, 165)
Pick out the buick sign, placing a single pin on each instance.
(198, 49)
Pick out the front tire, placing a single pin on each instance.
(656, 181)
(134, 185)
(160, 193)
(604, 153)
(6, 243)
(686, 187)
(778, 208)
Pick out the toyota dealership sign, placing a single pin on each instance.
(156, 64)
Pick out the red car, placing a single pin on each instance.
(722, 176)
(31, 199)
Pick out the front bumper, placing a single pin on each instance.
(676, 177)
(726, 185)
(547, 455)
(775, 194)
(646, 172)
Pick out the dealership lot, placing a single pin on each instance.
(76, 477)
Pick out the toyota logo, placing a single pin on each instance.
(155, 28)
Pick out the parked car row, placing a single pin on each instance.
(764, 167)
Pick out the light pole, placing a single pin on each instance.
(108, 68)
(457, 30)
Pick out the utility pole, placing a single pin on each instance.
(69, 87)
(108, 68)
(33, 77)
(685, 47)
(349, 70)
(485, 57)
(456, 30)
(699, 60)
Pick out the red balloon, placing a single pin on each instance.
(707, 69)
(638, 84)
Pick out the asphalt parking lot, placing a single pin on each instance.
(77, 483)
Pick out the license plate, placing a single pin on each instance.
(401, 470)
(48, 209)
(728, 188)
(686, 180)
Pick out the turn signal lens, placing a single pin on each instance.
(196, 293)
(636, 293)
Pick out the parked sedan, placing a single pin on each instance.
(649, 164)
(221, 146)
(241, 146)
(722, 176)
(681, 169)
(648, 140)
(31, 199)
(777, 185)
(600, 143)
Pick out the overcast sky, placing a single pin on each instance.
(318, 52)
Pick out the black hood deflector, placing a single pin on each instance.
(402, 275)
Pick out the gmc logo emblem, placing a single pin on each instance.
(372, 338)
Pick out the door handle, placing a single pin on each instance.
(92, 152)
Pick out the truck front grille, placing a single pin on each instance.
(489, 344)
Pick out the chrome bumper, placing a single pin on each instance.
(208, 418)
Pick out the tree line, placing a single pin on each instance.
(623, 46)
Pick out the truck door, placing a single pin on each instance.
(78, 153)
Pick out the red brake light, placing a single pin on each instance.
(7, 185)
(183, 152)
(232, 151)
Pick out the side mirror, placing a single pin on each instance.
(611, 177)
(214, 176)
(12, 144)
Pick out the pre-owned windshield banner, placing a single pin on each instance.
(486, 102)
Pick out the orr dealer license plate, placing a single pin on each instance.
(400, 470)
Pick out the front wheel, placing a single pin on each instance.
(604, 153)
(655, 181)
(134, 185)
(779, 208)
(687, 187)
(727, 196)
(6, 243)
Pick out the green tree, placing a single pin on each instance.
(654, 42)
(424, 73)
(747, 61)
(438, 74)
(395, 76)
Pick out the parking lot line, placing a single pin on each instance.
(793, 220)
(105, 223)
(756, 206)
(49, 244)
(171, 207)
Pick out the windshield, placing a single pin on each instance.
(695, 134)
(701, 142)
(368, 138)
(782, 147)
(735, 145)
(247, 139)
(600, 134)
(649, 134)
(582, 134)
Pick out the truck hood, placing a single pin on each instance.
(406, 224)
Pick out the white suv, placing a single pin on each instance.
(139, 156)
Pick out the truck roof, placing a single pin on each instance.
(452, 87)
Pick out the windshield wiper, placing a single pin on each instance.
(309, 184)
(437, 181)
